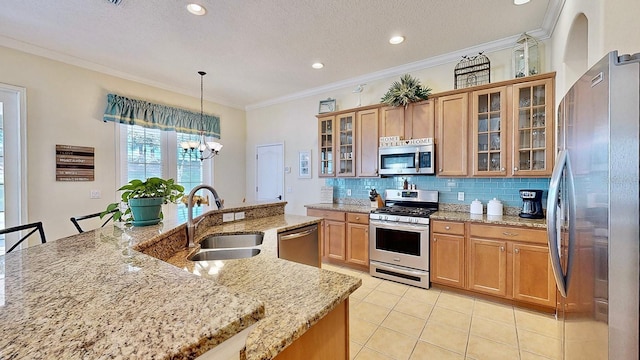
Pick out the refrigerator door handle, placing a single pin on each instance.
(552, 235)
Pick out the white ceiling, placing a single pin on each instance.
(258, 51)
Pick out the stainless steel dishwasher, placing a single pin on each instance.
(300, 245)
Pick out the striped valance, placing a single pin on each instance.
(139, 112)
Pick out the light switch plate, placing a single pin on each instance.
(239, 215)
(95, 194)
(460, 196)
(227, 217)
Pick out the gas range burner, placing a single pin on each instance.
(404, 211)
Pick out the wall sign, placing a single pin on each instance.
(75, 163)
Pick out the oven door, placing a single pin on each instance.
(400, 244)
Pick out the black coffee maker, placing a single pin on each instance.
(531, 204)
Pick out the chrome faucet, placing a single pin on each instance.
(191, 227)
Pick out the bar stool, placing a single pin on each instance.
(35, 226)
(75, 219)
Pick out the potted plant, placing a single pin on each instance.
(144, 200)
(407, 90)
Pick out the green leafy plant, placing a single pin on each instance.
(405, 91)
(153, 187)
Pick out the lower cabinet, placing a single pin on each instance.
(447, 253)
(345, 238)
(503, 261)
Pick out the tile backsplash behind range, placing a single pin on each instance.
(504, 189)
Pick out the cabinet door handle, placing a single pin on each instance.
(447, 227)
(357, 217)
(515, 169)
(440, 170)
(501, 169)
(516, 250)
(502, 248)
(434, 239)
(509, 233)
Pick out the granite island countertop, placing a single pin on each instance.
(92, 296)
(341, 207)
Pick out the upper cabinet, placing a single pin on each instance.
(416, 121)
(504, 129)
(348, 143)
(367, 140)
(489, 129)
(326, 145)
(452, 139)
(533, 130)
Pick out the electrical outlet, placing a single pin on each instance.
(348, 192)
(460, 196)
(289, 189)
(95, 194)
(239, 215)
(226, 217)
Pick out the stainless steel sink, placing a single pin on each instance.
(231, 241)
(224, 254)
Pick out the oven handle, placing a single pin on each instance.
(393, 225)
(417, 160)
(401, 270)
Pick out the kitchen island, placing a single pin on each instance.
(93, 295)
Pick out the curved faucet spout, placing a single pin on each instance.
(191, 227)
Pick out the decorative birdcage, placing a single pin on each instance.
(526, 56)
(472, 71)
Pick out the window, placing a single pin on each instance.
(147, 152)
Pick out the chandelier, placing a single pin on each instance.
(207, 149)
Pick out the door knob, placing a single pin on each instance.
(279, 197)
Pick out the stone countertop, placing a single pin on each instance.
(295, 296)
(485, 219)
(341, 207)
(92, 296)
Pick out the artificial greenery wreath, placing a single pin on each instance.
(406, 91)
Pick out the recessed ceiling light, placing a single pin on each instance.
(196, 9)
(396, 40)
(520, 2)
(317, 65)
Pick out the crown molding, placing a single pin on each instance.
(72, 60)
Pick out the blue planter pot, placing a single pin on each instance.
(146, 211)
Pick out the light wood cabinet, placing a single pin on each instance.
(533, 128)
(447, 253)
(345, 237)
(367, 140)
(416, 121)
(489, 132)
(326, 144)
(452, 123)
(503, 261)
(533, 279)
(358, 239)
(488, 266)
(346, 146)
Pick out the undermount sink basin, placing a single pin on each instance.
(231, 241)
(224, 254)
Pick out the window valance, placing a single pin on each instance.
(139, 112)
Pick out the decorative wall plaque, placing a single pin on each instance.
(75, 163)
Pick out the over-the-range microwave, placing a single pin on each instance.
(407, 159)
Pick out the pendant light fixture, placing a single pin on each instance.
(207, 149)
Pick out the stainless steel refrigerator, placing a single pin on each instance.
(592, 212)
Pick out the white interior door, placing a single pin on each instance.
(13, 157)
(270, 172)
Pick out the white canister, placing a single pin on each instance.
(494, 207)
(476, 207)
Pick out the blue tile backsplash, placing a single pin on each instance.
(483, 189)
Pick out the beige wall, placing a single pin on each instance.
(65, 104)
(611, 27)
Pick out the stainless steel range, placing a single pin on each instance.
(399, 236)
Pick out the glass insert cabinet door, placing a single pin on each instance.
(346, 123)
(326, 139)
(489, 115)
(533, 104)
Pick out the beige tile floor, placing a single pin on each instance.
(389, 320)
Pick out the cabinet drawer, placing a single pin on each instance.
(358, 218)
(327, 214)
(536, 236)
(447, 227)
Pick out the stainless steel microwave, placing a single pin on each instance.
(406, 160)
